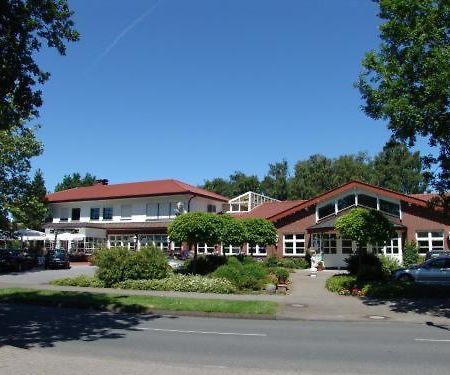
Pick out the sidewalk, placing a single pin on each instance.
(307, 300)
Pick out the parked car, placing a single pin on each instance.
(15, 260)
(58, 258)
(175, 264)
(433, 271)
(436, 253)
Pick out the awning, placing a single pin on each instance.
(30, 235)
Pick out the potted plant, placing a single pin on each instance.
(282, 274)
(320, 266)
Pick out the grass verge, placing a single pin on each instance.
(138, 304)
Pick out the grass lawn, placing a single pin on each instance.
(140, 304)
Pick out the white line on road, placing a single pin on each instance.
(433, 340)
(203, 332)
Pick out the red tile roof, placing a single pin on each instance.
(131, 190)
(425, 197)
(268, 209)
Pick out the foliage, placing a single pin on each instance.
(395, 289)
(259, 232)
(388, 264)
(410, 254)
(281, 273)
(205, 264)
(182, 283)
(290, 263)
(25, 25)
(17, 147)
(119, 264)
(81, 281)
(132, 303)
(337, 283)
(248, 274)
(233, 231)
(406, 81)
(237, 184)
(30, 209)
(398, 169)
(365, 226)
(275, 184)
(366, 266)
(75, 180)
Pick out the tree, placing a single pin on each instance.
(237, 184)
(398, 169)
(17, 147)
(365, 226)
(259, 232)
(219, 186)
(24, 26)
(233, 231)
(406, 82)
(275, 184)
(30, 209)
(195, 227)
(75, 180)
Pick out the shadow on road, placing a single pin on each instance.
(25, 326)
(431, 307)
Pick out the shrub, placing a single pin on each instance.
(119, 264)
(371, 267)
(82, 281)
(388, 264)
(291, 263)
(229, 272)
(340, 283)
(182, 283)
(281, 273)
(410, 254)
(205, 264)
(395, 289)
(271, 261)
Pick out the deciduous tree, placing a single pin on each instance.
(75, 180)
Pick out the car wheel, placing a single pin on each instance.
(405, 278)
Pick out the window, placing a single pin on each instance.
(231, 250)
(326, 210)
(211, 208)
(107, 213)
(389, 207)
(161, 241)
(367, 201)
(126, 241)
(345, 202)
(329, 243)
(125, 212)
(256, 250)
(294, 244)
(203, 248)
(164, 210)
(347, 246)
(151, 210)
(64, 216)
(428, 241)
(76, 212)
(95, 213)
(392, 247)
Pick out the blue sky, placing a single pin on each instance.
(201, 88)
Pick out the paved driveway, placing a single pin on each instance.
(39, 276)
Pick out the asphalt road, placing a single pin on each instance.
(61, 341)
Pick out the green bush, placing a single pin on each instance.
(388, 264)
(291, 263)
(281, 273)
(372, 268)
(248, 274)
(182, 283)
(339, 283)
(271, 261)
(82, 281)
(410, 254)
(119, 264)
(205, 264)
(395, 289)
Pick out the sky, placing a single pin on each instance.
(199, 89)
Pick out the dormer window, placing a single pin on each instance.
(326, 210)
(346, 202)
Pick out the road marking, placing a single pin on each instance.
(203, 332)
(433, 340)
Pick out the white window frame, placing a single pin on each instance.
(123, 208)
(430, 239)
(230, 250)
(257, 250)
(205, 249)
(298, 244)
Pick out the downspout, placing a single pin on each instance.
(189, 203)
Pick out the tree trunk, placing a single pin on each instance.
(360, 262)
(194, 260)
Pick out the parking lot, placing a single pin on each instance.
(38, 276)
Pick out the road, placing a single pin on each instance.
(42, 340)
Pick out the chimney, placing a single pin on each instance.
(102, 182)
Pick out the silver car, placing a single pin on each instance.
(433, 271)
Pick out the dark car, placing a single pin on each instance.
(14, 260)
(433, 271)
(436, 253)
(58, 258)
